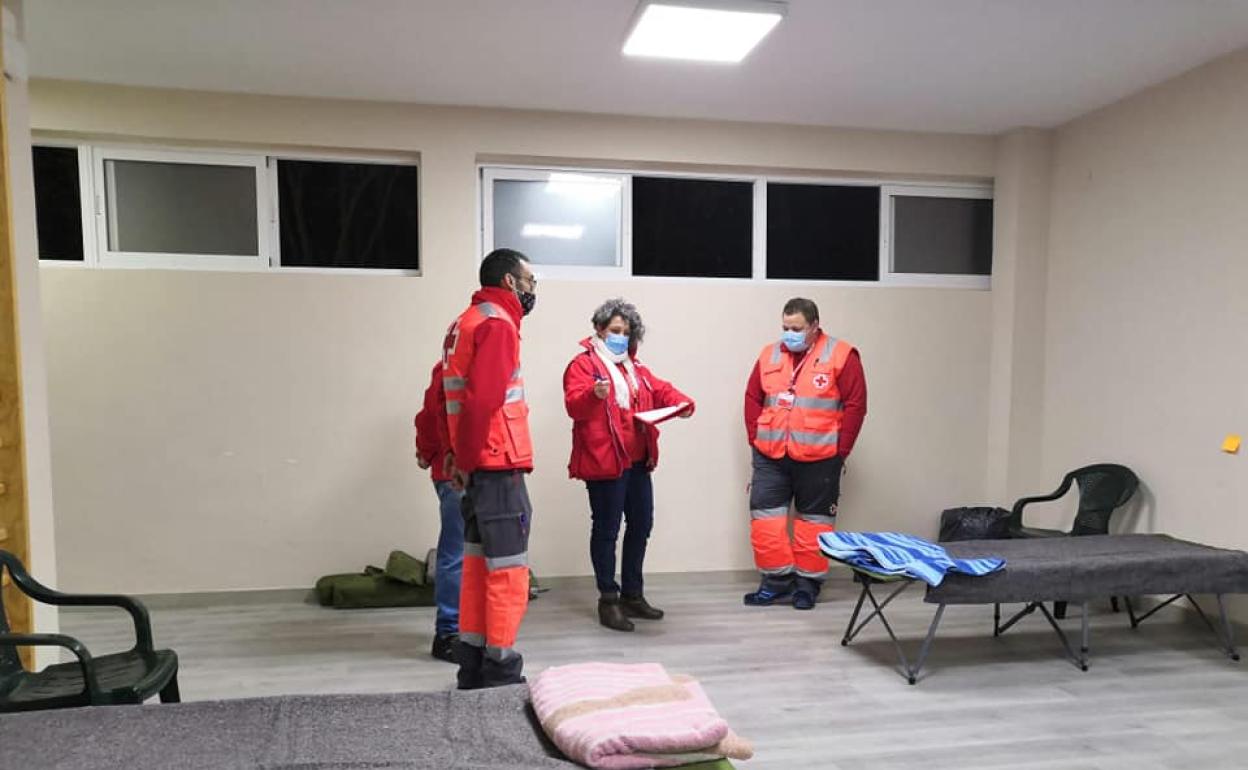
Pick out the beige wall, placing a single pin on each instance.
(232, 430)
(252, 430)
(1148, 299)
(1019, 263)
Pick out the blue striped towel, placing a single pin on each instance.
(894, 553)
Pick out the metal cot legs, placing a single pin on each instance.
(1229, 638)
(1081, 659)
(910, 672)
(1225, 635)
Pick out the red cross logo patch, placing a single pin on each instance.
(820, 381)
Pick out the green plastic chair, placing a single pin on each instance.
(132, 676)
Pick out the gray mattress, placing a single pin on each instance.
(1076, 569)
(434, 730)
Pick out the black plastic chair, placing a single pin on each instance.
(125, 677)
(1103, 489)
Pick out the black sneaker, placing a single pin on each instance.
(765, 598)
(444, 647)
(803, 600)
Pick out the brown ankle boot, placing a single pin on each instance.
(611, 615)
(638, 607)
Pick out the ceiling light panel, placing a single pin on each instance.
(722, 31)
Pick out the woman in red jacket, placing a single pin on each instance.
(613, 453)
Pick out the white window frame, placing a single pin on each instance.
(92, 206)
(86, 205)
(275, 211)
(107, 257)
(891, 277)
(489, 174)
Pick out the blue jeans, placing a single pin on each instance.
(450, 559)
(629, 498)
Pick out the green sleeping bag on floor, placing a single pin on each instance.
(403, 583)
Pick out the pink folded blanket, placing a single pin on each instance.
(631, 715)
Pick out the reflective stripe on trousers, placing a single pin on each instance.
(777, 553)
(494, 592)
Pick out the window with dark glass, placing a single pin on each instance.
(361, 215)
(823, 232)
(58, 203)
(692, 227)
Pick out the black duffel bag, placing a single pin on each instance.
(979, 523)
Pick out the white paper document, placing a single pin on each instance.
(656, 416)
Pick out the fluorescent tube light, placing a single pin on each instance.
(702, 30)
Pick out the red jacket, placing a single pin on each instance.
(492, 365)
(851, 383)
(598, 450)
(433, 440)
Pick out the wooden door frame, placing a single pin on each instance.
(14, 512)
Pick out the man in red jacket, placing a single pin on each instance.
(488, 427)
(433, 452)
(804, 406)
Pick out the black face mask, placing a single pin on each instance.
(527, 298)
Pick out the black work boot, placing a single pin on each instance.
(500, 673)
(611, 615)
(806, 594)
(444, 647)
(637, 607)
(470, 659)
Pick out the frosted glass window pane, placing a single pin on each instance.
(181, 208)
(572, 219)
(944, 236)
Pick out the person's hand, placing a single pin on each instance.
(422, 462)
(602, 388)
(448, 464)
(459, 480)
(685, 415)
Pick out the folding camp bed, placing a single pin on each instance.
(480, 729)
(1070, 569)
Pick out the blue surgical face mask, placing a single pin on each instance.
(616, 343)
(794, 341)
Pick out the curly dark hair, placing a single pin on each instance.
(624, 309)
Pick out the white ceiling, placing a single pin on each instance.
(943, 65)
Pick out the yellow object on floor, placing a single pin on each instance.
(1231, 444)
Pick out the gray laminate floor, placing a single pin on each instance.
(1159, 697)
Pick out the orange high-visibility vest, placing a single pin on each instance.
(802, 410)
(508, 445)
